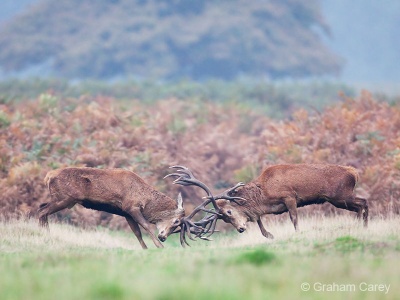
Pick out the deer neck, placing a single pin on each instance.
(160, 207)
(252, 207)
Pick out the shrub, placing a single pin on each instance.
(206, 137)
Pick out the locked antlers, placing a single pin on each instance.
(204, 228)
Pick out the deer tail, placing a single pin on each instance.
(49, 176)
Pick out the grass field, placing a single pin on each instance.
(332, 258)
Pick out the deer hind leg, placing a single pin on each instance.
(291, 205)
(138, 217)
(356, 204)
(43, 220)
(50, 208)
(362, 210)
(264, 232)
(136, 230)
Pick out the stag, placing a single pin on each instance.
(284, 188)
(279, 189)
(115, 191)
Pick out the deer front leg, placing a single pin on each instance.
(291, 205)
(138, 217)
(136, 230)
(264, 232)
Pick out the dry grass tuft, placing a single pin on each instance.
(22, 236)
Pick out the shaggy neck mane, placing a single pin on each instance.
(254, 195)
(161, 208)
(252, 192)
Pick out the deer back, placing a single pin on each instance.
(307, 180)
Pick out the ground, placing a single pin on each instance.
(328, 258)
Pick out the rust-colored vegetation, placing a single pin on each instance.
(221, 144)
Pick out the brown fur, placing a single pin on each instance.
(283, 188)
(115, 191)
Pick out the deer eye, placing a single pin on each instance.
(176, 222)
(229, 213)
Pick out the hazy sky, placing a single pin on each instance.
(366, 34)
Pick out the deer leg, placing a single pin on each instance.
(138, 217)
(136, 230)
(361, 206)
(43, 221)
(356, 204)
(364, 204)
(291, 205)
(48, 209)
(264, 232)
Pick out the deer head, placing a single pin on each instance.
(206, 226)
(170, 222)
(229, 203)
(230, 213)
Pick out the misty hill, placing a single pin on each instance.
(170, 39)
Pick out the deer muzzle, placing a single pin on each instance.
(162, 238)
(241, 229)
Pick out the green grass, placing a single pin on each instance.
(75, 263)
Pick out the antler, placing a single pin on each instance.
(208, 223)
(227, 195)
(186, 177)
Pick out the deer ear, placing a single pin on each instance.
(180, 201)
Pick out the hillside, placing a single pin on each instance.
(221, 144)
(275, 99)
(169, 39)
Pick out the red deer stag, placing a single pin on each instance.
(283, 188)
(115, 191)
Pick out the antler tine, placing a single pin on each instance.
(207, 224)
(182, 236)
(239, 184)
(225, 194)
(189, 227)
(182, 180)
(182, 169)
(193, 230)
(211, 229)
(183, 172)
(186, 177)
